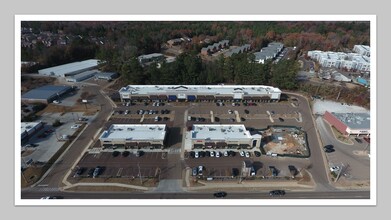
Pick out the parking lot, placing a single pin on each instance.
(181, 115)
(230, 166)
(149, 164)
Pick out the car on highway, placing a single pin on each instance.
(277, 193)
(52, 197)
(220, 194)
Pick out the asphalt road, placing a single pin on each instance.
(205, 195)
(60, 168)
(317, 167)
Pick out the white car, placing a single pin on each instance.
(75, 126)
(212, 154)
(334, 168)
(217, 154)
(197, 155)
(56, 102)
(225, 153)
(247, 154)
(242, 153)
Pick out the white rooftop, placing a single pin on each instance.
(220, 132)
(199, 89)
(137, 132)
(27, 126)
(70, 67)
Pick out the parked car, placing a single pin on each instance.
(242, 153)
(247, 154)
(196, 154)
(277, 193)
(281, 119)
(79, 171)
(273, 170)
(200, 169)
(195, 171)
(125, 153)
(246, 111)
(76, 126)
(235, 172)
(367, 139)
(115, 153)
(218, 154)
(90, 172)
(96, 172)
(212, 153)
(257, 153)
(139, 153)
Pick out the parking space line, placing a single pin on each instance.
(119, 172)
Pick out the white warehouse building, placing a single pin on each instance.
(232, 136)
(134, 136)
(70, 69)
(200, 93)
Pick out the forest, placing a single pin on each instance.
(124, 41)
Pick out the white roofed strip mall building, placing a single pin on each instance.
(134, 136)
(256, 93)
(233, 136)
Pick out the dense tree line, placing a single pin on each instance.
(190, 69)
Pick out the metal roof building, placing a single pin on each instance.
(81, 76)
(199, 92)
(134, 135)
(221, 136)
(349, 123)
(28, 129)
(45, 94)
(70, 68)
(106, 75)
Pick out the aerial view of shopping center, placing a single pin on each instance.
(195, 110)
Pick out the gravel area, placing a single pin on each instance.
(319, 107)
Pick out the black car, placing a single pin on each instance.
(257, 153)
(328, 150)
(281, 119)
(235, 172)
(125, 153)
(329, 146)
(90, 172)
(246, 111)
(115, 153)
(277, 193)
(231, 153)
(79, 171)
(220, 194)
(192, 154)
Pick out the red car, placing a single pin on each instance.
(367, 139)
